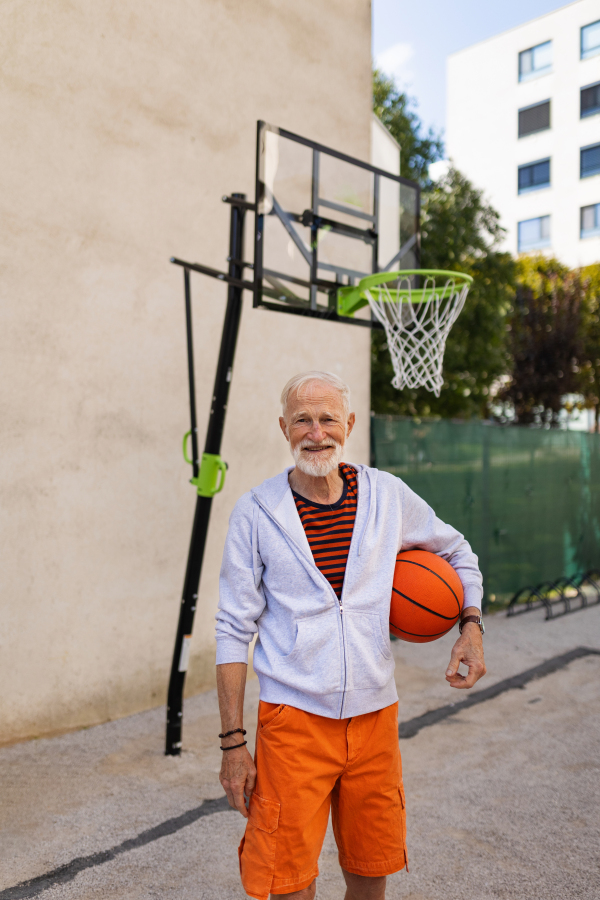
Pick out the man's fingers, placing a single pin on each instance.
(229, 794)
(239, 799)
(454, 663)
(476, 671)
(250, 781)
(235, 796)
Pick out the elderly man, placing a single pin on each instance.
(308, 565)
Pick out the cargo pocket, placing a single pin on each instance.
(257, 850)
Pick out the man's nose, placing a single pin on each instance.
(316, 432)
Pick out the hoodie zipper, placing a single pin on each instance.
(343, 654)
(339, 601)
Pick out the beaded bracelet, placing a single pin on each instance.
(235, 731)
(235, 746)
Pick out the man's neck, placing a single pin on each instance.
(318, 488)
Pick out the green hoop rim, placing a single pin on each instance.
(352, 298)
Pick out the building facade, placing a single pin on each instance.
(523, 123)
(124, 125)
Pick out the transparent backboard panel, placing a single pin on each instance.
(325, 220)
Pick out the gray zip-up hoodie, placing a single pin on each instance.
(325, 656)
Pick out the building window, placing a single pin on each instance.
(590, 100)
(534, 118)
(534, 234)
(534, 176)
(590, 161)
(590, 40)
(590, 220)
(535, 61)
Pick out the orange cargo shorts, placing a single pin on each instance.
(306, 765)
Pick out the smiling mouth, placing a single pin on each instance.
(316, 449)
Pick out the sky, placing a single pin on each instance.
(411, 41)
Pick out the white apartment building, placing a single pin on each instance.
(524, 124)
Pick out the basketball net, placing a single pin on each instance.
(417, 323)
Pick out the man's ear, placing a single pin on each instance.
(350, 425)
(283, 427)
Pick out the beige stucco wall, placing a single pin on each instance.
(123, 123)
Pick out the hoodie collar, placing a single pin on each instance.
(275, 494)
(272, 491)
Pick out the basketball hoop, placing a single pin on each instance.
(417, 321)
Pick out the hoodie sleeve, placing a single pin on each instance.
(241, 598)
(421, 529)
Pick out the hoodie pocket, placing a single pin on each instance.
(314, 665)
(370, 664)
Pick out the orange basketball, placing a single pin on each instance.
(427, 597)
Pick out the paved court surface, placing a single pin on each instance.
(503, 798)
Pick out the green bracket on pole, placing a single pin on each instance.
(350, 300)
(211, 478)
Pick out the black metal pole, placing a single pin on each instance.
(216, 423)
(191, 379)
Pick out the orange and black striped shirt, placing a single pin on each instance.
(329, 528)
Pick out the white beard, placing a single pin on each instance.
(317, 465)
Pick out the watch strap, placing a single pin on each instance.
(476, 619)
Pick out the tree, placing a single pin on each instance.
(591, 365)
(460, 232)
(393, 108)
(547, 340)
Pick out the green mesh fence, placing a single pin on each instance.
(527, 500)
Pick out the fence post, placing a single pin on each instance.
(485, 510)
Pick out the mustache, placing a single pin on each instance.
(307, 444)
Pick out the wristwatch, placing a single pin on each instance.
(477, 619)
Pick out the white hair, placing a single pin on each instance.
(298, 381)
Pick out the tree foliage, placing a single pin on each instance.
(546, 340)
(554, 340)
(591, 364)
(395, 109)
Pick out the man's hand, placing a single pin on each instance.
(238, 772)
(468, 650)
(238, 776)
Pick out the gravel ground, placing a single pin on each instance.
(503, 799)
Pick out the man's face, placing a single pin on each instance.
(316, 426)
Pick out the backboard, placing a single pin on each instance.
(324, 220)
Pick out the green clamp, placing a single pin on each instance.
(211, 478)
(350, 300)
